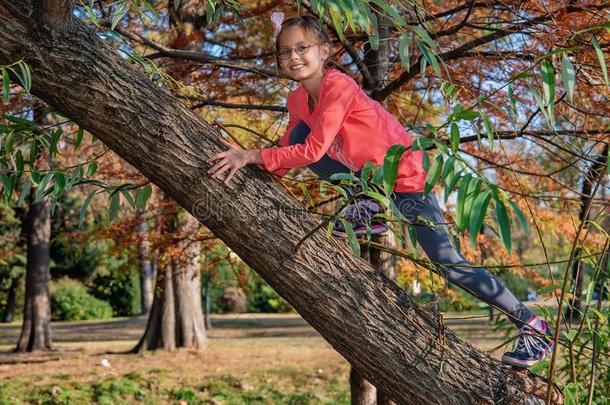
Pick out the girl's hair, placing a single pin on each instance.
(312, 27)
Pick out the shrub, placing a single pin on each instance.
(70, 301)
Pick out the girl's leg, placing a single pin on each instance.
(326, 166)
(436, 242)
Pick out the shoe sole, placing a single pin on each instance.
(374, 231)
(519, 364)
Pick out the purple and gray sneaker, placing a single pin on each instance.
(360, 215)
(534, 344)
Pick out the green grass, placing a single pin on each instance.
(285, 385)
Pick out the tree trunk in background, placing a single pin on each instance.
(147, 276)
(36, 328)
(176, 317)
(336, 293)
(9, 309)
(574, 310)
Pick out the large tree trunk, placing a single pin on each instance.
(176, 318)
(401, 350)
(147, 276)
(575, 308)
(36, 327)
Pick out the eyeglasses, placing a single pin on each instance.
(285, 53)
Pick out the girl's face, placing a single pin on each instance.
(306, 65)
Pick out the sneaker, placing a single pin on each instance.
(360, 216)
(531, 346)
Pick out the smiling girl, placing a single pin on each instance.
(334, 127)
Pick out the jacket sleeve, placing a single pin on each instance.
(284, 141)
(335, 105)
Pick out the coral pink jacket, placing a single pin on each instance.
(350, 127)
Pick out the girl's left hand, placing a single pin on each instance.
(231, 160)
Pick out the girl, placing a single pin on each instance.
(334, 127)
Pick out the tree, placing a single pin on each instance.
(404, 353)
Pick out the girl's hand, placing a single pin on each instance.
(231, 160)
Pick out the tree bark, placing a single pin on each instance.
(9, 309)
(176, 318)
(400, 350)
(574, 310)
(147, 276)
(36, 327)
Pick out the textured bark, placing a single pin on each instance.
(369, 320)
(36, 327)
(362, 392)
(9, 309)
(147, 276)
(574, 310)
(176, 318)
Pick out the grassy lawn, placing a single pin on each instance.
(250, 359)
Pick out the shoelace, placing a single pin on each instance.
(357, 211)
(530, 343)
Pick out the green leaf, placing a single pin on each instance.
(548, 86)
(176, 4)
(351, 237)
(568, 76)
(390, 167)
(478, 215)
(41, 188)
(600, 58)
(91, 169)
(129, 198)
(473, 191)
(520, 216)
(6, 87)
(541, 106)
(79, 138)
(374, 36)
(434, 173)
(548, 289)
(422, 143)
(55, 135)
(24, 193)
(83, 209)
(118, 13)
(143, 195)
(454, 137)
(451, 182)
(488, 128)
(589, 292)
(114, 206)
(503, 221)
(430, 58)
(8, 142)
(60, 184)
(403, 52)
(307, 195)
(601, 316)
(461, 199)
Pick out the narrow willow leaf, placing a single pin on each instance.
(548, 87)
(447, 169)
(568, 77)
(142, 196)
(118, 13)
(83, 209)
(351, 237)
(548, 289)
(454, 137)
(24, 193)
(114, 206)
(403, 52)
(60, 184)
(488, 129)
(390, 167)
(91, 169)
(520, 216)
(589, 292)
(430, 58)
(79, 138)
(374, 36)
(461, 199)
(434, 174)
(541, 106)
(41, 189)
(600, 58)
(477, 215)
(6, 87)
(451, 182)
(422, 143)
(129, 198)
(503, 221)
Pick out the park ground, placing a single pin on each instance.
(250, 359)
